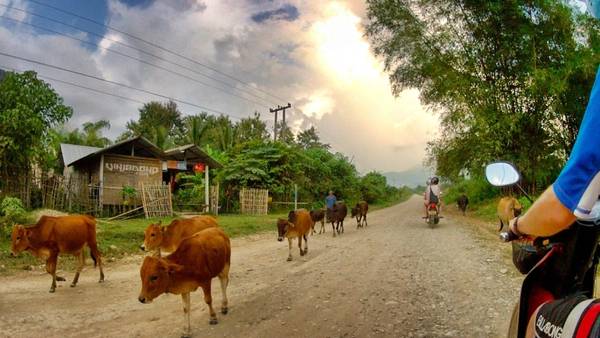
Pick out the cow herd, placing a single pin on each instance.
(197, 250)
(301, 222)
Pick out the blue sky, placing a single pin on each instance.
(94, 9)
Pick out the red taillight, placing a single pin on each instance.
(432, 206)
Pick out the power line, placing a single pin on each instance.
(136, 59)
(123, 44)
(74, 84)
(104, 92)
(111, 82)
(154, 45)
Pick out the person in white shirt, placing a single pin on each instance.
(433, 194)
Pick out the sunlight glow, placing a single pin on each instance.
(341, 46)
(319, 104)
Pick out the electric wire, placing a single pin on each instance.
(113, 82)
(115, 41)
(156, 46)
(136, 59)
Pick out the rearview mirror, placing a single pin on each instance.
(501, 174)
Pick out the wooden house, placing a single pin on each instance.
(131, 163)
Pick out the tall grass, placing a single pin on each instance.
(476, 189)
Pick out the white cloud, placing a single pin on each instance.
(16, 15)
(321, 60)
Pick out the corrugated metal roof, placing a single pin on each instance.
(138, 140)
(192, 152)
(73, 152)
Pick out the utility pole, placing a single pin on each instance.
(275, 110)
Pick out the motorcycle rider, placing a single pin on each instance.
(433, 194)
(571, 197)
(425, 193)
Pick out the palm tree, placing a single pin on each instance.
(92, 135)
(197, 128)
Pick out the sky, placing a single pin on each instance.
(258, 53)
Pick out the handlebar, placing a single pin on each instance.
(508, 236)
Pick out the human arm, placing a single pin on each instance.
(546, 217)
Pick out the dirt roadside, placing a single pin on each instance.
(396, 278)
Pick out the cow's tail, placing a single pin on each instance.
(91, 233)
(94, 258)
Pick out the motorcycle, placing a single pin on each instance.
(557, 266)
(433, 216)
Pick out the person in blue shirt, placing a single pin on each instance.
(330, 200)
(572, 196)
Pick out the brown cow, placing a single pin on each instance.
(54, 235)
(318, 216)
(298, 225)
(462, 201)
(336, 216)
(360, 212)
(157, 237)
(197, 260)
(508, 208)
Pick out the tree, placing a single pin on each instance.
(158, 122)
(284, 133)
(29, 109)
(373, 186)
(309, 138)
(252, 129)
(195, 129)
(505, 76)
(92, 134)
(225, 134)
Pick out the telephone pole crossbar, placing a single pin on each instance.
(275, 110)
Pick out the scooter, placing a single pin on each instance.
(556, 266)
(433, 216)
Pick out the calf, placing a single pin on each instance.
(508, 208)
(51, 236)
(360, 212)
(462, 201)
(336, 216)
(297, 225)
(157, 237)
(318, 216)
(197, 260)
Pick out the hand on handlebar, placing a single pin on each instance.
(508, 236)
(513, 232)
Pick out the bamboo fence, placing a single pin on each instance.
(254, 201)
(157, 200)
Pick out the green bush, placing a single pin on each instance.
(12, 207)
(11, 212)
(477, 190)
(128, 193)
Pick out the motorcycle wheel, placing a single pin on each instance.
(513, 327)
(430, 221)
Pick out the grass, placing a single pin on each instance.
(486, 210)
(117, 239)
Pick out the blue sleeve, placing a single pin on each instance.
(584, 162)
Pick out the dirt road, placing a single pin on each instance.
(396, 278)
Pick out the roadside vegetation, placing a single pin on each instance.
(510, 80)
(483, 197)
